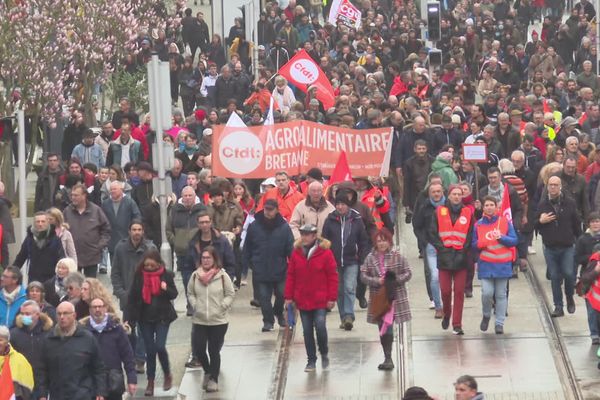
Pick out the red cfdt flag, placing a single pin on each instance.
(341, 172)
(302, 72)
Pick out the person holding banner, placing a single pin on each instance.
(495, 238)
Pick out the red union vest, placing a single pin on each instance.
(593, 295)
(493, 251)
(455, 235)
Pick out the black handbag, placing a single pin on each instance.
(116, 382)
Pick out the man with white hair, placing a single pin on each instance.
(120, 210)
(313, 210)
(572, 150)
(75, 370)
(31, 328)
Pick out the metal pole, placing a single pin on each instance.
(255, 18)
(22, 175)
(165, 249)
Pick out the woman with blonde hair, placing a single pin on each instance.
(55, 287)
(56, 218)
(92, 289)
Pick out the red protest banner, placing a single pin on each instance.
(297, 146)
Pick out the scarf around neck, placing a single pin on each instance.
(99, 326)
(151, 285)
(436, 204)
(206, 276)
(11, 296)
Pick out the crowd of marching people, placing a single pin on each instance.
(310, 243)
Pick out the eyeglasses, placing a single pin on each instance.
(207, 257)
(203, 222)
(102, 306)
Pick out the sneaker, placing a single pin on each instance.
(281, 321)
(595, 341)
(324, 361)
(531, 250)
(205, 381)
(244, 282)
(439, 314)
(267, 327)
(431, 305)
(103, 270)
(212, 386)
(140, 367)
(485, 323)
(342, 326)
(254, 303)
(445, 323)
(348, 323)
(499, 330)
(310, 367)
(193, 363)
(457, 330)
(363, 303)
(468, 294)
(558, 312)
(570, 304)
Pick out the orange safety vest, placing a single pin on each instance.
(493, 251)
(593, 295)
(455, 235)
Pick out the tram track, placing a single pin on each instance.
(558, 348)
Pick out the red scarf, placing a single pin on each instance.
(151, 286)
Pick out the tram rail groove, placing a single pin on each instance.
(558, 348)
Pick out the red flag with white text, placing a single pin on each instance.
(302, 71)
(506, 212)
(341, 172)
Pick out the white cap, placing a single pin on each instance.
(207, 132)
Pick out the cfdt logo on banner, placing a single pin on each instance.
(241, 152)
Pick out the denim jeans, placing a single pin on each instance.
(431, 255)
(494, 288)
(561, 266)
(592, 317)
(314, 320)
(265, 293)
(347, 291)
(155, 340)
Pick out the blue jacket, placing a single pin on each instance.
(267, 248)
(8, 313)
(89, 154)
(486, 269)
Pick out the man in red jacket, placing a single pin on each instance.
(312, 285)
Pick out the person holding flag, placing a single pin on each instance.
(16, 375)
(494, 237)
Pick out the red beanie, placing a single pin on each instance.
(200, 114)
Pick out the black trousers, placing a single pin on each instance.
(89, 271)
(211, 338)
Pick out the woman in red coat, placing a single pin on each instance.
(312, 285)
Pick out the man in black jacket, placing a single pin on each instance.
(269, 242)
(72, 367)
(47, 183)
(31, 328)
(345, 230)
(416, 170)
(42, 248)
(558, 222)
(225, 87)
